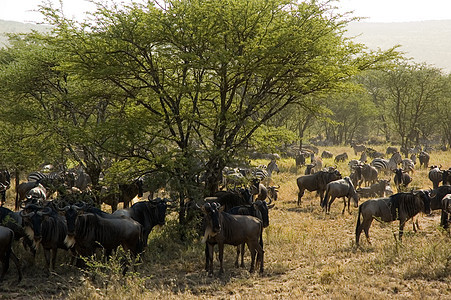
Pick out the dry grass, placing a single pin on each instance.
(307, 255)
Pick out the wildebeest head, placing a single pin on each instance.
(212, 213)
(424, 196)
(158, 207)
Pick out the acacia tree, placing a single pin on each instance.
(210, 73)
(412, 90)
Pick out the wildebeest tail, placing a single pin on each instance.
(325, 199)
(358, 219)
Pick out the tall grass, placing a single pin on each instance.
(308, 254)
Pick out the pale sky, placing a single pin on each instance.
(375, 10)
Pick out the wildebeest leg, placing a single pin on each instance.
(207, 257)
(54, 258)
(402, 222)
(300, 194)
(260, 253)
(253, 251)
(366, 228)
(332, 199)
(221, 257)
(242, 255)
(344, 207)
(47, 260)
(17, 263)
(237, 255)
(210, 259)
(5, 264)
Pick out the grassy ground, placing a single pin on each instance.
(307, 255)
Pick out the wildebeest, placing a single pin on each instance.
(6, 252)
(5, 182)
(340, 188)
(147, 213)
(446, 177)
(46, 227)
(424, 157)
(369, 174)
(232, 198)
(358, 148)
(316, 182)
(309, 169)
(92, 230)
(224, 228)
(258, 209)
(401, 178)
(437, 195)
(273, 192)
(446, 203)
(259, 190)
(391, 150)
(435, 175)
(377, 189)
(401, 206)
(341, 157)
(356, 175)
(327, 154)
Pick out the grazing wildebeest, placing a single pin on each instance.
(340, 188)
(358, 148)
(391, 150)
(316, 182)
(309, 169)
(377, 189)
(6, 252)
(401, 206)
(258, 209)
(356, 175)
(437, 195)
(446, 203)
(446, 177)
(369, 174)
(327, 154)
(341, 157)
(401, 178)
(232, 198)
(273, 192)
(5, 182)
(424, 157)
(147, 213)
(92, 230)
(224, 228)
(435, 175)
(46, 227)
(259, 190)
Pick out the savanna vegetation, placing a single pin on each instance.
(178, 89)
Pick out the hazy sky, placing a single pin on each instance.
(375, 10)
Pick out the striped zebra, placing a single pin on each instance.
(260, 172)
(385, 165)
(408, 165)
(39, 177)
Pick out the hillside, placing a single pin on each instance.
(427, 41)
(15, 27)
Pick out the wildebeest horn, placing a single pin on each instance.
(78, 208)
(44, 211)
(23, 214)
(65, 208)
(271, 206)
(270, 201)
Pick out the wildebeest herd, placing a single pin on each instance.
(235, 215)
